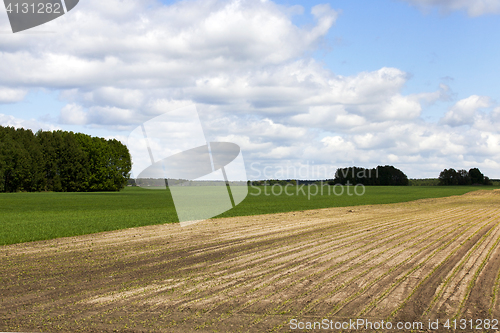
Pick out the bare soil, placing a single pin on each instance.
(432, 259)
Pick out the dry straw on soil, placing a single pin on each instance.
(433, 258)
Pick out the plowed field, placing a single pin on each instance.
(407, 262)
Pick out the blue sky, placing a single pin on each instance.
(411, 83)
(432, 46)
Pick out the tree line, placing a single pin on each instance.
(463, 177)
(381, 175)
(61, 161)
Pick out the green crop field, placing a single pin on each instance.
(39, 216)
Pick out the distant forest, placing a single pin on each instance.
(381, 175)
(463, 177)
(61, 161)
(389, 175)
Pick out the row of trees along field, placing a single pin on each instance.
(463, 177)
(61, 161)
(381, 175)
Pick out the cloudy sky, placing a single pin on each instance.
(410, 83)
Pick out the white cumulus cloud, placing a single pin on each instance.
(464, 111)
(8, 95)
(247, 67)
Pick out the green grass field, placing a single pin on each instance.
(38, 216)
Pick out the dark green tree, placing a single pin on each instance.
(61, 161)
(476, 176)
(463, 177)
(381, 175)
(448, 177)
(15, 166)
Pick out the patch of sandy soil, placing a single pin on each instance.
(415, 261)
